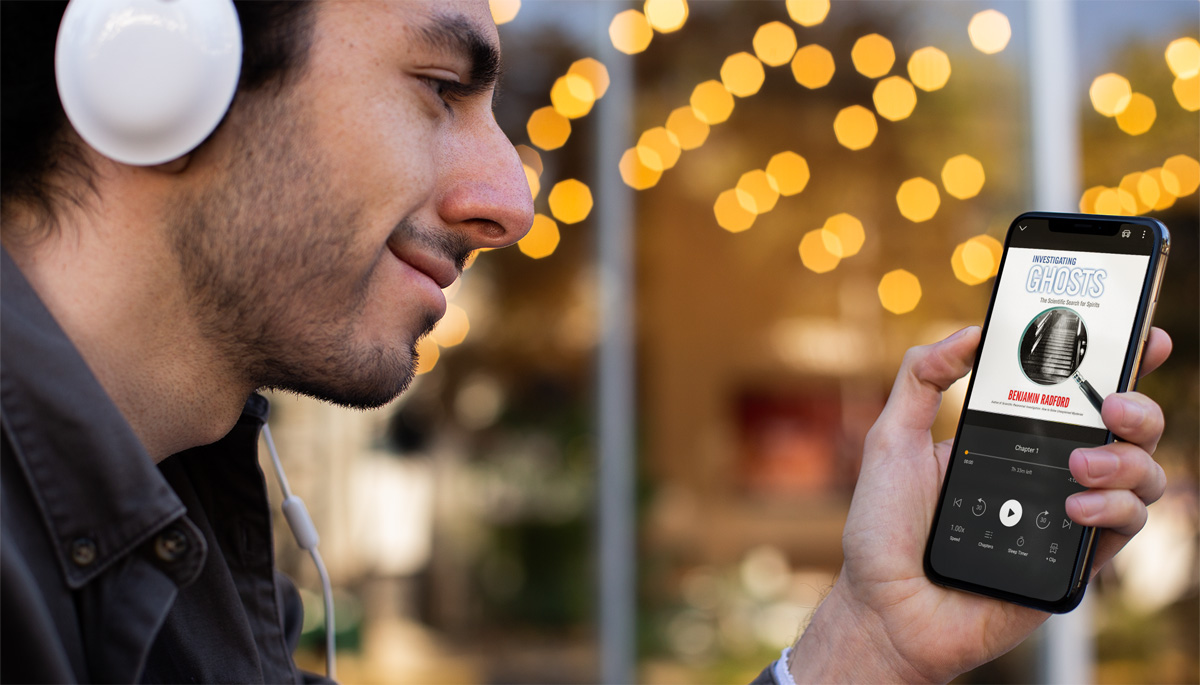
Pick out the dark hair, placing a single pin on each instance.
(39, 166)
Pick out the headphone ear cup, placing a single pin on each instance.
(146, 81)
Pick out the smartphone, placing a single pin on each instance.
(1068, 320)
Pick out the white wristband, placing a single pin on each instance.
(782, 675)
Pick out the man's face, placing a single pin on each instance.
(336, 210)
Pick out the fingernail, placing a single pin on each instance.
(1089, 503)
(1134, 413)
(1100, 464)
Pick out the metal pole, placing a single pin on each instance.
(1067, 652)
(615, 417)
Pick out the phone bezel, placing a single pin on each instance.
(1081, 570)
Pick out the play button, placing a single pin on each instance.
(1010, 513)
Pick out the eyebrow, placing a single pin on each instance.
(456, 33)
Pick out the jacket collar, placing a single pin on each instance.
(99, 492)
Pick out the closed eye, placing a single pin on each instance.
(451, 92)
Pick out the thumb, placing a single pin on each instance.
(926, 373)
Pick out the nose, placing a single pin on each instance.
(486, 194)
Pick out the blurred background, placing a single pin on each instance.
(634, 437)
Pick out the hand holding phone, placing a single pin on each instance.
(1069, 316)
(883, 621)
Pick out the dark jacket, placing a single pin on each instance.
(112, 568)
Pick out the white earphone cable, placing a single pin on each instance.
(306, 537)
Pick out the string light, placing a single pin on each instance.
(989, 31)
(962, 177)
(734, 210)
(712, 102)
(894, 98)
(847, 232)
(630, 32)
(790, 172)
(812, 66)
(855, 127)
(1110, 94)
(873, 55)
(504, 11)
(1139, 116)
(815, 253)
(918, 199)
(548, 129)
(899, 291)
(929, 69)
(570, 201)
(542, 238)
(742, 74)
(687, 128)
(663, 144)
(1183, 57)
(635, 173)
(775, 43)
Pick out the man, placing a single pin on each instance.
(304, 246)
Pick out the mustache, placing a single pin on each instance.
(451, 244)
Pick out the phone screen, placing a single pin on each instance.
(1060, 329)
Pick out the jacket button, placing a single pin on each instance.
(171, 545)
(83, 552)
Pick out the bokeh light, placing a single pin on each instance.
(895, 98)
(734, 210)
(535, 181)
(427, 355)
(1186, 170)
(630, 32)
(594, 71)
(572, 96)
(742, 74)
(666, 15)
(848, 232)
(815, 253)
(972, 262)
(530, 158)
(664, 145)
(929, 69)
(989, 31)
(689, 130)
(1087, 201)
(712, 102)
(542, 238)
(790, 172)
(1149, 191)
(1116, 202)
(1168, 184)
(1129, 183)
(808, 12)
(775, 43)
(635, 173)
(1183, 57)
(761, 187)
(1187, 92)
(548, 129)
(918, 199)
(899, 291)
(873, 55)
(812, 66)
(1139, 116)
(570, 201)
(1110, 94)
(855, 127)
(962, 176)
(504, 11)
(452, 329)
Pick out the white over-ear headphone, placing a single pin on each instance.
(146, 81)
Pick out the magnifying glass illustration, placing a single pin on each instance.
(1052, 349)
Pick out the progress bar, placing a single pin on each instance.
(1018, 461)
